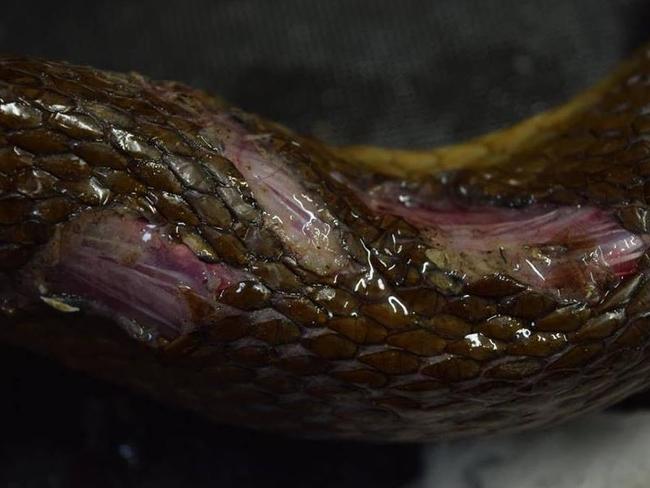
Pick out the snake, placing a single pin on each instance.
(155, 236)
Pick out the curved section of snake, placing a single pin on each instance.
(159, 238)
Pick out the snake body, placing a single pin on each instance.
(159, 238)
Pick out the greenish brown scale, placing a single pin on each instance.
(462, 357)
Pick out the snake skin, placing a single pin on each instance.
(333, 359)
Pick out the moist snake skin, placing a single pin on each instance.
(162, 239)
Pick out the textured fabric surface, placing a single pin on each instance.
(394, 73)
(407, 73)
(599, 451)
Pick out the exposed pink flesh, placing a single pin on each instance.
(574, 252)
(301, 223)
(130, 268)
(125, 266)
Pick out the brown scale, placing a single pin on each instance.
(457, 359)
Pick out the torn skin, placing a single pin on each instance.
(304, 225)
(124, 267)
(573, 253)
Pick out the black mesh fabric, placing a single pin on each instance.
(396, 73)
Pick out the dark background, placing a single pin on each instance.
(397, 73)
